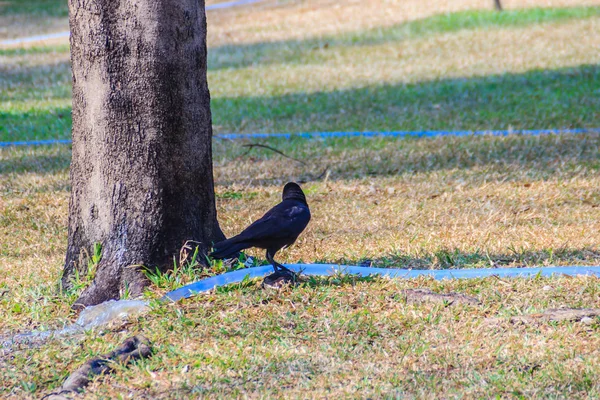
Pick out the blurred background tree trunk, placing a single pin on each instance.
(141, 172)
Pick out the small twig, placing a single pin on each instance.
(325, 171)
(322, 173)
(311, 179)
(250, 146)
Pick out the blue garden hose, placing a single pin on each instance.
(208, 284)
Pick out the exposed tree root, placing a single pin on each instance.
(250, 146)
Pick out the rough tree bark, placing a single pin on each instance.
(141, 172)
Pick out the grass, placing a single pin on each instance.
(446, 203)
(418, 75)
(19, 18)
(345, 338)
(558, 98)
(442, 203)
(36, 8)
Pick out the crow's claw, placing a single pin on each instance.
(279, 278)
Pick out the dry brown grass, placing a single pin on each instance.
(346, 339)
(283, 20)
(482, 202)
(420, 198)
(274, 21)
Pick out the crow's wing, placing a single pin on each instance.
(282, 221)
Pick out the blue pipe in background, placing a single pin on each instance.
(35, 143)
(326, 135)
(330, 269)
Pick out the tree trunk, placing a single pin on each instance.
(497, 5)
(141, 172)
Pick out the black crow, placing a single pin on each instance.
(277, 229)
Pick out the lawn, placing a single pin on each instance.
(448, 202)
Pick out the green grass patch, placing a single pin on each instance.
(514, 157)
(473, 19)
(35, 124)
(563, 98)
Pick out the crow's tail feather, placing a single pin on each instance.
(228, 248)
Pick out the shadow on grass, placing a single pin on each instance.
(457, 259)
(561, 98)
(50, 73)
(564, 98)
(312, 50)
(35, 102)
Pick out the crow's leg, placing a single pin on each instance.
(276, 266)
(280, 276)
